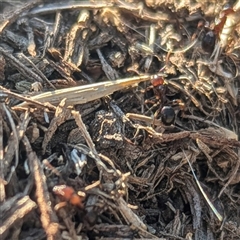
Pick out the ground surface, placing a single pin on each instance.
(159, 159)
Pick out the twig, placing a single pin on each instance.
(48, 217)
(13, 210)
(90, 143)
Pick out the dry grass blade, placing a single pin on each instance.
(22, 98)
(236, 7)
(215, 211)
(48, 217)
(86, 93)
(53, 7)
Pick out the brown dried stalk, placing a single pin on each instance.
(61, 115)
(48, 217)
(93, 152)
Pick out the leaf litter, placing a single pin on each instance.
(119, 120)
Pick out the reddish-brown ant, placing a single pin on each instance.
(159, 88)
(157, 81)
(218, 28)
(221, 30)
(68, 194)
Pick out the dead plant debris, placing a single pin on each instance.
(119, 119)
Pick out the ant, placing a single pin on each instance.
(167, 113)
(221, 30)
(68, 194)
